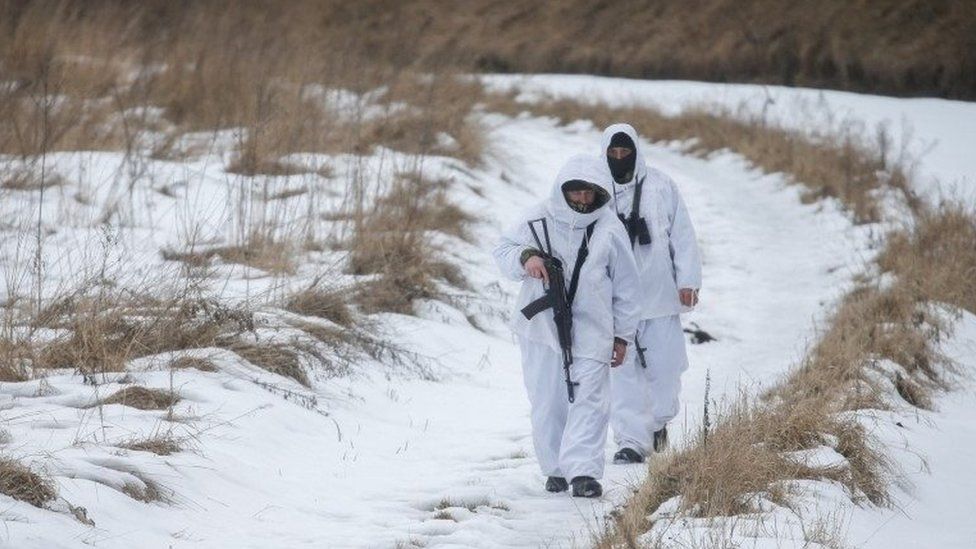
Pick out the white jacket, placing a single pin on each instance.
(672, 260)
(605, 305)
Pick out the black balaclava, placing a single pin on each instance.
(622, 169)
(601, 198)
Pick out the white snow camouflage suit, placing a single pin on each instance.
(645, 399)
(570, 438)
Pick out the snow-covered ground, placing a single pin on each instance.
(386, 458)
(937, 133)
(931, 451)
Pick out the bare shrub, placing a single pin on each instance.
(142, 398)
(20, 483)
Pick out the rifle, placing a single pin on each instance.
(557, 296)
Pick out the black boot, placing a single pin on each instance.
(586, 487)
(661, 439)
(556, 484)
(628, 455)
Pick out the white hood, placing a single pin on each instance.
(606, 305)
(640, 167)
(672, 260)
(581, 167)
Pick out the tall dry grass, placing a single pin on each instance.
(901, 47)
(392, 242)
(840, 163)
(724, 470)
(82, 75)
(139, 77)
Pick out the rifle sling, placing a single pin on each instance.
(631, 222)
(545, 302)
(580, 259)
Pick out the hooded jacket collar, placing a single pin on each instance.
(584, 168)
(640, 168)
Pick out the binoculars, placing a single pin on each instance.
(637, 230)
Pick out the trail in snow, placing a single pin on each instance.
(435, 463)
(936, 134)
(771, 264)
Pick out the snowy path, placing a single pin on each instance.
(444, 463)
(771, 264)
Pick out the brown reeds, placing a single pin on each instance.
(162, 444)
(721, 471)
(392, 241)
(142, 398)
(899, 47)
(278, 359)
(106, 331)
(21, 483)
(841, 163)
(111, 76)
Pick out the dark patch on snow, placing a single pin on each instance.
(698, 336)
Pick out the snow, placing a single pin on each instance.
(938, 134)
(933, 454)
(439, 455)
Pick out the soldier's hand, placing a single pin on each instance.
(619, 352)
(688, 297)
(536, 268)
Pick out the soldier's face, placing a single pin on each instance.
(619, 153)
(583, 198)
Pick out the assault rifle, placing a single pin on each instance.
(557, 296)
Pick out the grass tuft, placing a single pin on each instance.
(142, 398)
(21, 483)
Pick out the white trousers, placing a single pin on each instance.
(569, 438)
(643, 399)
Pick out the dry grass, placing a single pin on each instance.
(142, 398)
(330, 304)
(15, 359)
(187, 362)
(20, 483)
(276, 358)
(910, 47)
(160, 444)
(937, 256)
(257, 250)
(391, 240)
(107, 331)
(261, 252)
(841, 163)
(146, 491)
(722, 471)
(201, 364)
(119, 77)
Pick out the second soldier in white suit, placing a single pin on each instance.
(570, 437)
(645, 388)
